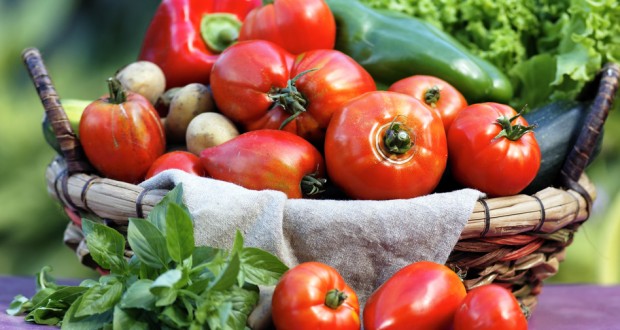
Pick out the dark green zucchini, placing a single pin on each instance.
(558, 125)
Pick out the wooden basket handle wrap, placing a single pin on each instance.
(69, 143)
(579, 156)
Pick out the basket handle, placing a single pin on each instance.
(581, 153)
(69, 143)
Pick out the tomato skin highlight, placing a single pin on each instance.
(480, 159)
(265, 159)
(299, 300)
(180, 160)
(422, 295)
(358, 162)
(296, 25)
(490, 307)
(122, 140)
(438, 94)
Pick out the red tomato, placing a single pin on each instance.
(180, 160)
(296, 25)
(434, 92)
(490, 307)
(385, 145)
(267, 159)
(313, 296)
(493, 149)
(423, 295)
(122, 134)
(253, 86)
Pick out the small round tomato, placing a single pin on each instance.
(385, 145)
(180, 160)
(493, 149)
(490, 307)
(434, 92)
(313, 295)
(297, 26)
(423, 295)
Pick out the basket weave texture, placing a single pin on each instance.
(516, 241)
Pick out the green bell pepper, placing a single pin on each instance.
(392, 46)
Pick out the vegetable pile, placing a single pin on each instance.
(323, 99)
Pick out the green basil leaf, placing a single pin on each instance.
(88, 283)
(42, 295)
(19, 305)
(228, 309)
(130, 319)
(237, 244)
(158, 214)
(48, 315)
(228, 277)
(261, 267)
(179, 233)
(148, 243)
(166, 286)
(106, 246)
(92, 322)
(204, 254)
(175, 317)
(99, 299)
(45, 280)
(66, 295)
(243, 303)
(139, 295)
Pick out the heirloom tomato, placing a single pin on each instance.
(313, 295)
(122, 134)
(180, 160)
(423, 295)
(490, 307)
(493, 149)
(267, 159)
(385, 145)
(254, 85)
(295, 25)
(434, 92)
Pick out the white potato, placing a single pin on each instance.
(187, 103)
(209, 129)
(144, 78)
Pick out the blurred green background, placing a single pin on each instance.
(84, 42)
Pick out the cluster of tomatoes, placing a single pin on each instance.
(423, 295)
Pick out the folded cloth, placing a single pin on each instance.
(366, 241)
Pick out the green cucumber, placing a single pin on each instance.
(73, 109)
(558, 125)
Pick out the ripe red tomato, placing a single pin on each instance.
(122, 134)
(296, 25)
(254, 85)
(267, 159)
(490, 307)
(424, 295)
(180, 160)
(434, 92)
(385, 145)
(312, 296)
(493, 149)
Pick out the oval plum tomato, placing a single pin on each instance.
(267, 159)
(385, 145)
(313, 295)
(254, 85)
(423, 295)
(122, 134)
(295, 25)
(434, 92)
(493, 149)
(490, 307)
(180, 160)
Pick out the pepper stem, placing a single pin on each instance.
(510, 131)
(397, 138)
(335, 298)
(432, 95)
(311, 185)
(290, 98)
(117, 92)
(219, 30)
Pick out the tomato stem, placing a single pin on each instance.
(432, 95)
(117, 92)
(510, 131)
(397, 138)
(291, 99)
(311, 185)
(335, 298)
(219, 30)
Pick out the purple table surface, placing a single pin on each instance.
(566, 307)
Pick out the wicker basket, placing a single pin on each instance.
(516, 241)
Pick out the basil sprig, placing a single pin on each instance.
(167, 283)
